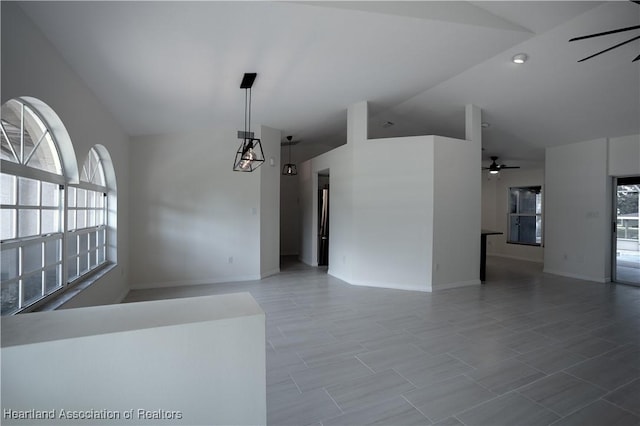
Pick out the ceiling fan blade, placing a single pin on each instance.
(637, 58)
(509, 167)
(635, 27)
(611, 48)
(635, 1)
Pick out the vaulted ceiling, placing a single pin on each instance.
(174, 66)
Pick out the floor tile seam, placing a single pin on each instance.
(560, 416)
(406, 378)
(508, 384)
(459, 360)
(584, 380)
(621, 386)
(295, 383)
(334, 402)
(418, 409)
(551, 372)
(384, 399)
(598, 356)
(486, 401)
(620, 407)
(583, 406)
(365, 364)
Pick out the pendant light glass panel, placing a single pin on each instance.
(249, 156)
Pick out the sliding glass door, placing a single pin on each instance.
(626, 213)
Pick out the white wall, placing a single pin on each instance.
(393, 204)
(495, 205)
(338, 161)
(32, 67)
(624, 156)
(578, 208)
(289, 213)
(270, 202)
(203, 357)
(456, 208)
(388, 198)
(193, 219)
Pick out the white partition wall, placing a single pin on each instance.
(401, 216)
(191, 361)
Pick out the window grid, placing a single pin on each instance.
(525, 215)
(50, 237)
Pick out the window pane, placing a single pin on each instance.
(523, 229)
(100, 217)
(93, 240)
(27, 223)
(50, 221)
(81, 200)
(52, 278)
(52, 252)
(32, 257)
(8, 225)
(91, 198)
(32, 288)
(101, 254)
(93, 259)
(7, 189)
(9, 264)
(11, 113)
(101, 237)
(72, 245)
(28, 192)
(72, 196)
(527, 201)
(72, 268)
(91, 218)
(83, 264)
(9, 296)
(71, 219)
(83, 243)
(81, 219)
(50, 194)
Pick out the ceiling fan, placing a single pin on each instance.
(619, 30)
(494, 168)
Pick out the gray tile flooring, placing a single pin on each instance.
(526, 348)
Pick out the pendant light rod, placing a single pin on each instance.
(249, 155)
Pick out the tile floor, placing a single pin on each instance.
(526, 348)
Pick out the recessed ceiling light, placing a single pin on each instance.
(387, 124)
(520, 58)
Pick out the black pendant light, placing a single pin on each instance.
(249, 155)
(289, 169)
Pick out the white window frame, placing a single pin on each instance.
(20, 169)
(519, 214)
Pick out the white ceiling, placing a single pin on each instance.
(174, 66)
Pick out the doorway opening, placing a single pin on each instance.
(323, 218)
(626, 256)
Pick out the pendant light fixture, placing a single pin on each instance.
(289, 169)
(249, 155)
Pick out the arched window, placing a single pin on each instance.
(45, 210)
(87, 219)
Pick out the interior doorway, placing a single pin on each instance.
(626, 256)
(323, 218)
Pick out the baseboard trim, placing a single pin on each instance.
(576, 276)
(457, 284)
(219, 280)
(507, 256)
(270, 273)
(389, 286)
